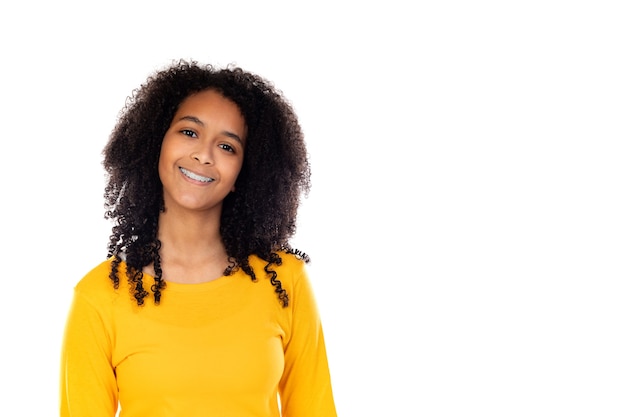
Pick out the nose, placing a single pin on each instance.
(204, 156)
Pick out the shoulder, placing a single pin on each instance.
(96, 284)
(290, 264)
(291, 271)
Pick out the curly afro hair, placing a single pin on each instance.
(258, 219)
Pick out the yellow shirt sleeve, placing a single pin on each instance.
(88, 385)
(224, 348)
(305, 384)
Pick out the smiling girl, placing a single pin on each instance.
(202, 307)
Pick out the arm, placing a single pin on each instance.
(88, 386)
(305, 387)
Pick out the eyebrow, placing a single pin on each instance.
(194, 119)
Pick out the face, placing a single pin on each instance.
(202, 152)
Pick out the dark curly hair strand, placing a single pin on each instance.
(258, 219)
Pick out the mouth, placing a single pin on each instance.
(194, 176)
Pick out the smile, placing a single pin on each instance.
(195, 176)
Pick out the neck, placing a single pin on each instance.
(191, 245)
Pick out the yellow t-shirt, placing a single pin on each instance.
(221, 348)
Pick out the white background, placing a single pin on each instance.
(467, 218)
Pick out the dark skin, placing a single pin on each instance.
(256, 216)
(201, 156)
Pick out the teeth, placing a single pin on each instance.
(196, 177)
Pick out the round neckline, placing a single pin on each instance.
(197, 286)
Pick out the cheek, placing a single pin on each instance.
(238, 169)
(163, 161)
(161, 170)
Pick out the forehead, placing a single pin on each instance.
(210, 99)
(211, 107)
(209, 95)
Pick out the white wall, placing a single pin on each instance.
(466, 221)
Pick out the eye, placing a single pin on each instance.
(189, 133)
(227, 147)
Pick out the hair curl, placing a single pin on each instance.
(258, 219)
